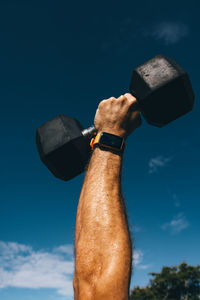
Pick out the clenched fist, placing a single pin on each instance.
(118, 115)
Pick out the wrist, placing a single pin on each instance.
(120, 133)
(107, 151)
(108, 142)
(107, 155)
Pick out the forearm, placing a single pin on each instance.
(102, 240)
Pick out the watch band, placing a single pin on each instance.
(108, 141)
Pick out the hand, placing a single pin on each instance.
(118, 116)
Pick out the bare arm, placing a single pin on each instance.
(103, 252)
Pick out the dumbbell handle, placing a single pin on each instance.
(89, 132)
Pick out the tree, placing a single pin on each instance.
(172, 283)
(142, 294)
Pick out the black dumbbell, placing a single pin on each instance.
(163, 92)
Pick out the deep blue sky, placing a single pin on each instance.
(65, 57)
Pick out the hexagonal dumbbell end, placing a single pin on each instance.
(163, 90)
(62, 147)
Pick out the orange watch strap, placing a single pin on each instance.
(95, 140)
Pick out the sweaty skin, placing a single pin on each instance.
(103, 250)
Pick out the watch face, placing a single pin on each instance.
(111, 140)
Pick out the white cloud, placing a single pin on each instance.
(137, 257)
(169, 32)
(22, 267)
(65, 249)
(144, 267)
(158, 162)
(177, 224)
(137, 260)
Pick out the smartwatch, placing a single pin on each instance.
(108, 141)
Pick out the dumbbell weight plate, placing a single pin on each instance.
(163, 90)
(62, 146)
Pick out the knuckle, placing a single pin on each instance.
(112, 99)
(122, 99)
(102, 103)
(127, 95)
(130, 97)
(132, 103)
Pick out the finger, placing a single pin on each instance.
(102, 103)
(136, 118)
(133, 103)
(130, 98)
(112, 99)
(121, 97)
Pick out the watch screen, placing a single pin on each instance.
(111, 140)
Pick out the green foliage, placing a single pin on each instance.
(172, 283)
(142, 294)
